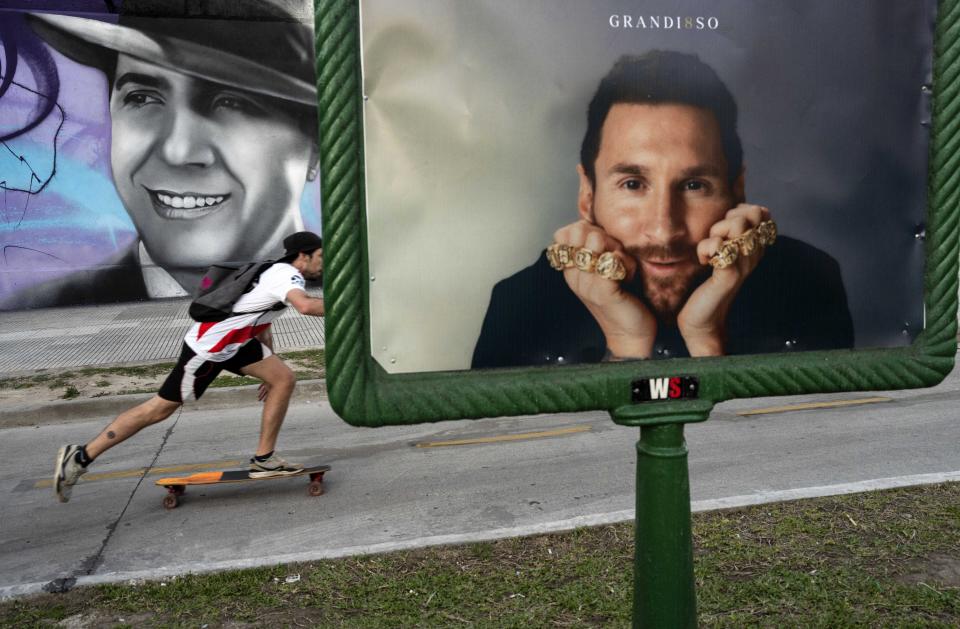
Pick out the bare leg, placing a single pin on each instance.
(280, 381)
(129, 423)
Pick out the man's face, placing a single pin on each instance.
(313, 268)
(661, 183)
(207, 172)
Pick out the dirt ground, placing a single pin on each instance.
(76, 386)
(55, 385)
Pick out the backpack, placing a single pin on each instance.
(222, 286)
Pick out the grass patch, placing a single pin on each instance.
(228, 380)
(887, 559)
(154, 370)
(70, 392)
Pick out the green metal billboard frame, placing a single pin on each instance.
(365, 395)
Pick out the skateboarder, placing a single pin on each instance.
(241, 344)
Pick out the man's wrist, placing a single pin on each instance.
(610, 357)
(619, 349)
(702, 346)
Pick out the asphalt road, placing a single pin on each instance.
(404, 487)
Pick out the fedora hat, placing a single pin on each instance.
(246, 44)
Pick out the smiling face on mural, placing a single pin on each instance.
(208, 173)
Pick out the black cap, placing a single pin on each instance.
(301, 241)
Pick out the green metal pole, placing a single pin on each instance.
(664, 593)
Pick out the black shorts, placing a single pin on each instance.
(192, 375)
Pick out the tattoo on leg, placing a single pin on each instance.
(111, 434)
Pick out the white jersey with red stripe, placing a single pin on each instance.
(221, 340)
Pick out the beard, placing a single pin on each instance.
(666, 296)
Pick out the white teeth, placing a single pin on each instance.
(188, 203)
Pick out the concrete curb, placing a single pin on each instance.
(20, 415)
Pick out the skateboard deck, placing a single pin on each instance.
(176, 486)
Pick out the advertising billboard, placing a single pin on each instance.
(559, 206)
(658, 133)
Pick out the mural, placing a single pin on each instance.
(141, 142)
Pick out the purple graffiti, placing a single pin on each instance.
(39, 61)
(19, 46)
(33, 174)
(22, 248)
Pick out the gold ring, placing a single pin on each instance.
(610, 267)
(746, 244)
(767, 232)
(726, 255)
(585, 260)
(559, 256)
(552, 257)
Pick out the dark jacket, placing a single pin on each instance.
(793, 301)
(115, 280)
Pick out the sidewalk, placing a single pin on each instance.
(133, 333)
(118, 334)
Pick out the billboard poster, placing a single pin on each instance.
(144, 141)
(562, 182)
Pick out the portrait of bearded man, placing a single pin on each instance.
(667, 258)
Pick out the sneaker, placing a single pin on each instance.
(274, 466)
(67, 472)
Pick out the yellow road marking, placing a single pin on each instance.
(812, 405)
(193, 467)
(501, 438)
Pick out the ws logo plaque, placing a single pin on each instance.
(660, 389)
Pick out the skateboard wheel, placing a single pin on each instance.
(316, 488)
(170, 501)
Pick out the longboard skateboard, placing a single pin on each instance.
(176, 486)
